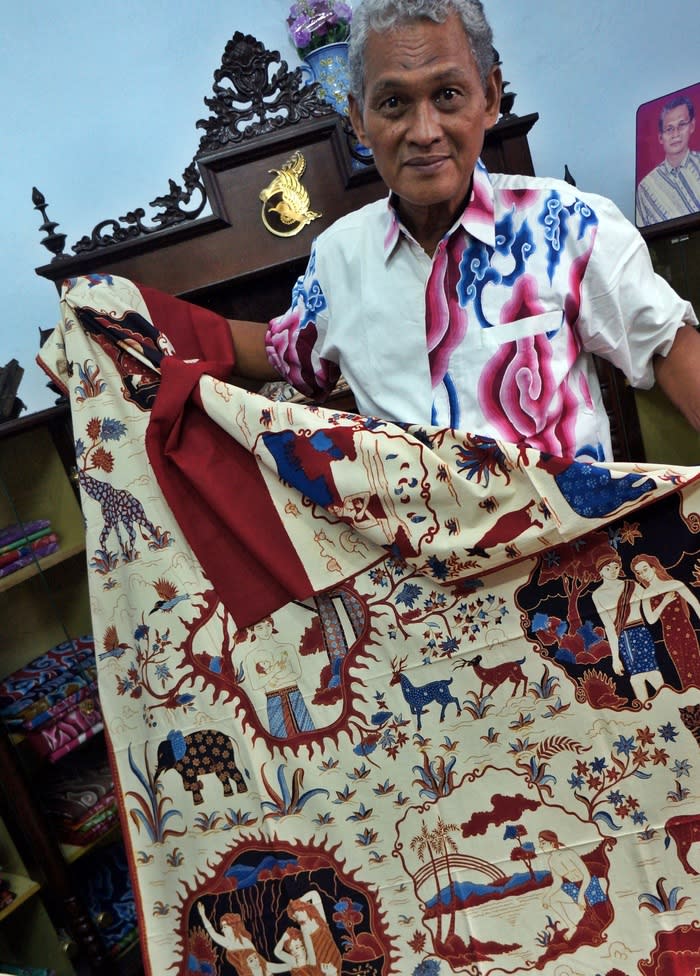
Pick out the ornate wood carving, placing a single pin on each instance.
(53, 242)
(246, 88)
(132, 225)
(254, 93)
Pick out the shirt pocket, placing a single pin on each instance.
(533, 325)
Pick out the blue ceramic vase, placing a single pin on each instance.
(328, 65)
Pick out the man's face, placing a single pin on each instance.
(675, 134)
(610, 570)
(425, 115)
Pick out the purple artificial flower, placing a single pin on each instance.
(313, 23)
(343, 12)
(300, 35)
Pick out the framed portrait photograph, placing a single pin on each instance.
(668, 157)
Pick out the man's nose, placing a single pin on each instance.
(425, 123)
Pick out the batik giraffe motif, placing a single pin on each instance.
(118, 506)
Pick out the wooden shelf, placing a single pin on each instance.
(46, 601)
(24, 888)
(54, 559)
(42, 605)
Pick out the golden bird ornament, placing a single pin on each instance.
(292, 207)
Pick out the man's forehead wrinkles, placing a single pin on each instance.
(395, 81)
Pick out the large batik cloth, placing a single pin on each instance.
(380, 700)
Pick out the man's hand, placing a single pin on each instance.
(678, 374)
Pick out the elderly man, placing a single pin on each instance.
(468, 299)
(672, 189)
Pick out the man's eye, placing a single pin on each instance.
(447, 94)
(390, 104)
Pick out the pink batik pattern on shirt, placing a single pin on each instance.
(528, 391)
(291, 339)
(445, 321)
(518, 390)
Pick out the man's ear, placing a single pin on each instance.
(494, 90)
(356, 119)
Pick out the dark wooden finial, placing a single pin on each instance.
(52, 242)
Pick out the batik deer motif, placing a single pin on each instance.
(419, 696)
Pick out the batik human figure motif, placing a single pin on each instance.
(300, 958)
(670, 601)
(573, 886)
(618, 601)
(241, 952)
(274, 667)
(309, 915)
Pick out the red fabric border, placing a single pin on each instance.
(195, 332)
(216, 493)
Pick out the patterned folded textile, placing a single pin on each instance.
(96, 827)
(456, 732)
(7, 969)
(78, 785)
(78, 689)
(21, 532)
(36, 546)
(78, 790)
(59, 737)
(104, 880)
(76, 808)
(28, 558)
(49, 684)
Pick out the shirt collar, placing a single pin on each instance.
(477, 218)
(683, 163)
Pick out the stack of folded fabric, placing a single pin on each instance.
(7, 895)
(8, 969)
(53, 700)
(78, 794)
(65, 732)
(104, 880)
(24, 542)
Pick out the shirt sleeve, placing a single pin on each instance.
(293, 341)
(628, 313)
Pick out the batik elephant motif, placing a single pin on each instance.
(200, 754)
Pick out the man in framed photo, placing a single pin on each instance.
(672, 189)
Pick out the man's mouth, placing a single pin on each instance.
(425, 163)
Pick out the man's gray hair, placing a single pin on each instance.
(382, 15)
